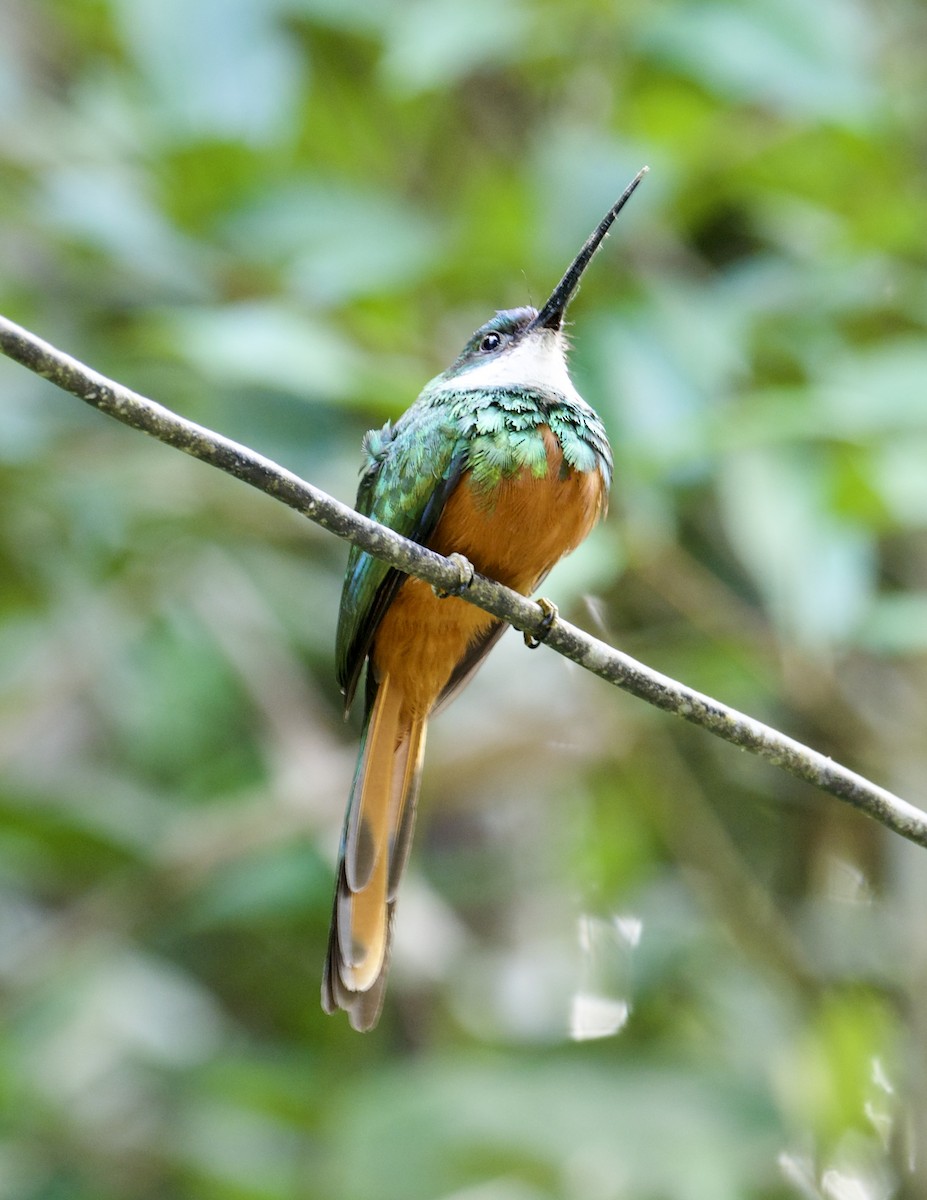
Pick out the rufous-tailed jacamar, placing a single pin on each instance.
(499, 460)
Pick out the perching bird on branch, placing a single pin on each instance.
(499, 461)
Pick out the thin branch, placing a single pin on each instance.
(445, 574)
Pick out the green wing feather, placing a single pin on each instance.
(409, 471)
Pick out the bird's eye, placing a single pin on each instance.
(492, 341)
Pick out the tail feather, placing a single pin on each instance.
(374, 851)
(363, 935)
(406, 788)
(367, 821)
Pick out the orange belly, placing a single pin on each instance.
(515, 534)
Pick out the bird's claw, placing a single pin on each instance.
(533, 640)
(466, 573)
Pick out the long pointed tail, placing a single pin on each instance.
(374, 850)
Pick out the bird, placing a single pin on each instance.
(501, 463)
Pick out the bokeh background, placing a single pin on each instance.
(630, 960)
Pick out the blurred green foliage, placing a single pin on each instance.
(280, 217)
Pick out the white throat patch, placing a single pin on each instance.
(534, 362)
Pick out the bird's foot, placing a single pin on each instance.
(466, 572)
(533, 640)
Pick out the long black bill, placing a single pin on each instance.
(551, 315)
